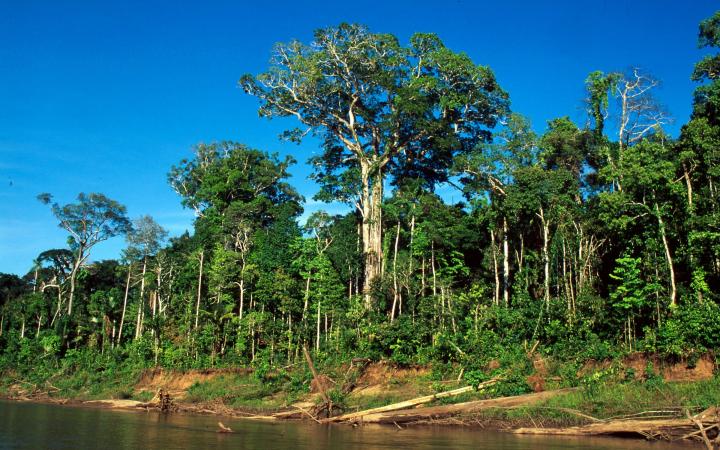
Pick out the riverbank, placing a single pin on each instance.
(602, 392)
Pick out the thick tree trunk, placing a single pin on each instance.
(124, 308)
(371, 198)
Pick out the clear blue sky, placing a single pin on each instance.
(106, 96)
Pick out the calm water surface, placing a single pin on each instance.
(34, 426)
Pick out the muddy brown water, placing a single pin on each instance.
(41, 426)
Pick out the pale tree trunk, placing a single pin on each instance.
(496, 297)
(59, 307)
(242, 297)
(411, 259)
(688, 184)
(124, 308)
(290, 336)
(37, 332)
(371, 199)
(158, 303)
(432, 264)
(396, 292)
(506, 263)
(350, 283)
(546, 257)
(22, 329)
(306, 298)
(141, 303)
(668, 257)
(153, 307)
(199, 289)
(73, 276)
(422, 278)
(317, 335)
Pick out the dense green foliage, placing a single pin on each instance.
(589, 241)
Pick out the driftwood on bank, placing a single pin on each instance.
(703, 427)
(409, 403)
(414, 415)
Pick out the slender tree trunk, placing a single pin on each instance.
(59, 307)
(290, 336)
(242, 298)
(73, 277)
(432, 264)
(411, 259)
(317, 334)
(396, 292)
(158, 303)
(37, 332)
(422, 278)
(493, 246)
(668, 257)
(72, 293)
(141, 303)
(506, 263)
(170, 292)
(124, 308)
(73, 274)
(688, 184)
(307, 298)
(22, 328)
(199, 289)
(546, 257)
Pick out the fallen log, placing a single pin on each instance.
(409, 403)
(445, 411)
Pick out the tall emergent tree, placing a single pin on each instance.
(381, 109)
(93, 219)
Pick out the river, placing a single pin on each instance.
(39, 426)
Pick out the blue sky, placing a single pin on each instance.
(107, 96)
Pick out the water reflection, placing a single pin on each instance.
(32, 426)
